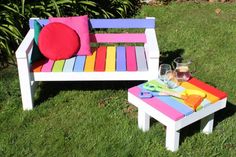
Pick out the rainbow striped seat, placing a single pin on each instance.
(130, 54)
(104, 59)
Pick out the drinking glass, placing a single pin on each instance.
(171, 79)
(162, 71)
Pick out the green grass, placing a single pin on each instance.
(94, 119)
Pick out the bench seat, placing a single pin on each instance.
(109, 59)
(106, 59)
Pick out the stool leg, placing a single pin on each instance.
(143, 120)
(207, 124)
(172, 139)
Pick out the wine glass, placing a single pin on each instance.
(162, 71)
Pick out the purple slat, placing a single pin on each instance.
(111, 23)
(41, 21)
(122, 23)
(120, 58)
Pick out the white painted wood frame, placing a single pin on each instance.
(145, 111)
(28, 78)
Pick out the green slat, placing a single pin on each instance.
(58, 66)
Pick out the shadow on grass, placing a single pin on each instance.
(167, 57)
(50, 89)
(219, 116)
(194, 128)
(223, 114)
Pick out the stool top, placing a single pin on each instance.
(176, 108)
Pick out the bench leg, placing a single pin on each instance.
(172, 139)
(207, 124)
(25, 84)
(143, 120)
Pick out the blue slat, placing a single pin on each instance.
(178, 106)
(120, 58)
(69, 65)
(79, 63)
(204, 103)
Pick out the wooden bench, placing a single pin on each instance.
(135, 58)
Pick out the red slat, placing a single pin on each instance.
(100, 59)
(218, 93)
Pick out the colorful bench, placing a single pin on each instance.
(116, 56)
(174, 113)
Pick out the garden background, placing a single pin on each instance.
(65, 123)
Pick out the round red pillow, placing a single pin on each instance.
(58, 41)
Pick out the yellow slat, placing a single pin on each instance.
(111, 59)
(210, 97)
(90, 62)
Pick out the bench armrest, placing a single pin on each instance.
(152, 44)
(152, 51)
(25, 45)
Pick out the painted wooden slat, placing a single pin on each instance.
(203, 104)
(210, 97)
(158, 105)
(206, 87)
(100, 59)
(37, 66)
(180, 89)
(120, 58)
(122, 23)
(47, 67)
(69, 64)
(111, 59)
(177, 105)
(141, 58)
(111, 23)
(58, 66)
(90, 62)
(118, 38)
(131, 58)
(41, 21)
(79, 63)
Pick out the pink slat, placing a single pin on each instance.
(116, 38)
(158, 105)
(47, 67)
(131, 58)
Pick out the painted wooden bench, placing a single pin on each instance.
(174, 113)
(135, 58)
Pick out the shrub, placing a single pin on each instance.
(14, 16)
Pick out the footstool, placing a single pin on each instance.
(174, 113)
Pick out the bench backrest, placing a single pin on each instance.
(116, 24)
(134, 39)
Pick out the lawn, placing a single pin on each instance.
(95, 119)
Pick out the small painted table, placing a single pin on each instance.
(174, 114)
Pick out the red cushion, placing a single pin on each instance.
(58, 41)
